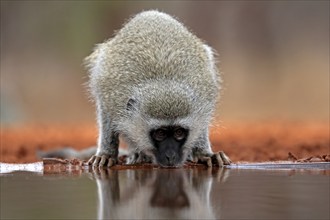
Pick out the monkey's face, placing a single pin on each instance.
(168, 142)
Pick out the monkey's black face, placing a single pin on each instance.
(168, 142)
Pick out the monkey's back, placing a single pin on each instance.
(152, 46)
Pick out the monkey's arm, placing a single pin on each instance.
(108, 142)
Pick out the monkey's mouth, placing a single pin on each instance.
(168, 158)
(165, 161)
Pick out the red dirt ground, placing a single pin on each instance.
(252, 142)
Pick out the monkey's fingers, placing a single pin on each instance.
(96, 161)
(103, 160)
(91, 160)
(206, 160)
(225, 158)
(111, 162)
(217, 160)
(139, 159)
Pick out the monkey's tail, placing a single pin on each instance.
(70, 153)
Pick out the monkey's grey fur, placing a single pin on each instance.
(153, 73)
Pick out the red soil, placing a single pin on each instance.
(241, 142)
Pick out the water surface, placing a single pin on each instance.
(195, 193)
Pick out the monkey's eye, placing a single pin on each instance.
(179, 134)
(159, 134)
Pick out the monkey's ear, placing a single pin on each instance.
(131, 105)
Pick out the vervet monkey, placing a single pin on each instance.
(155, 84)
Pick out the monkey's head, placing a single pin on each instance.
(164, 120)
(168, 142)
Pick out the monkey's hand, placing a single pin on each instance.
(216, 159)
(102, 160)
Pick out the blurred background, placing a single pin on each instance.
(274, 56)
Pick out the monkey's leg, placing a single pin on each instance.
(108, 143)
(202, 153)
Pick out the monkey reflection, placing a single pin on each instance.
(152, 194)
(168, 191)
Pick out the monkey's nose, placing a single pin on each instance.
(170, 156)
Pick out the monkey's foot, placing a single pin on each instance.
(102, 161)
(138, 158)
(217, 159)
